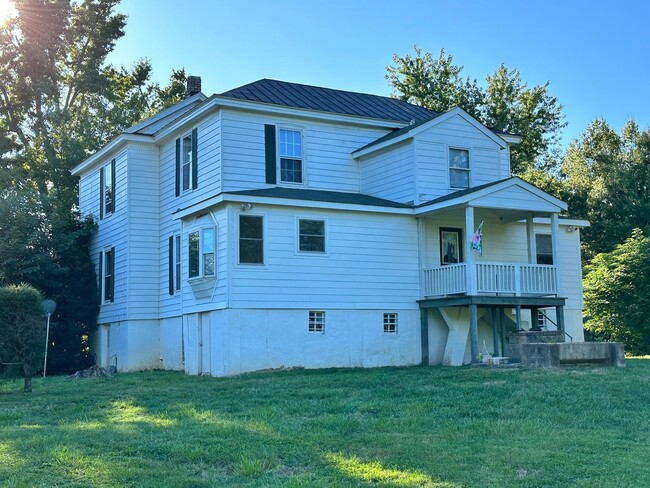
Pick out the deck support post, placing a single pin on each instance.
(424, 330)
(473, 331)
(502, 330)
(534, 317)
(495, 333)
(518, 316)
(559, 312)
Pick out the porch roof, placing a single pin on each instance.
(510, 194)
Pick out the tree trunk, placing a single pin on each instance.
(27, 370)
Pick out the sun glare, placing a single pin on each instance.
(7, 9)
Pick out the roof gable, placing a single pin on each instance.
(511, 193)
(413, 130)
(329, 100)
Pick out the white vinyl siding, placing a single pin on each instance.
(326, 148)
(110, 232)
(431, 157)
(144, 251)
(371, 261)
(389, 174)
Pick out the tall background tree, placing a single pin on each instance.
(60, 102)
(506, 103)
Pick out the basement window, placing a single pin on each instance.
(390, 323)
(316, 322)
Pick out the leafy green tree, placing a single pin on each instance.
(59, 103)
(506, 103)
(617, 294)
(606, 179)
(22, 329)
(433, 83)
(51, 254)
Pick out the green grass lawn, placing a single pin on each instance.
(420, 426)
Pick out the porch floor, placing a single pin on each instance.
(492, 300)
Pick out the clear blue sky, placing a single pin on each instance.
(596, 54)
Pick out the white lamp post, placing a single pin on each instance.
(50, 307)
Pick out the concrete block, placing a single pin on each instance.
(538, 355)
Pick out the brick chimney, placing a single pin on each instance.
(193, 85)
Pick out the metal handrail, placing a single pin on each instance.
(556, 326)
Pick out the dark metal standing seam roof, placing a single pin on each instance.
(321, 196)
(330, 100)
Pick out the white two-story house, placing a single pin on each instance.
(283, 225)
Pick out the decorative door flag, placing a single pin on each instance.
(477, 240)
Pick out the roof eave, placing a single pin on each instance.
(115, 145)
(285, 202)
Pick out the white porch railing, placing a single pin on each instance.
(445, 280)
(506, 278)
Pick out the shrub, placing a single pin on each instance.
(22, 328)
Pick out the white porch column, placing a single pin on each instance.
(555, 244)
(469, 255)
(530, 234)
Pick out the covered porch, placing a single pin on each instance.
(516, 266)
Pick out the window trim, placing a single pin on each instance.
(469, 167)
(388, 324)
(324, 252)
(201, 261)
(239, 238)
(303, 166)
(316, 325)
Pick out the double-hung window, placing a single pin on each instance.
(107, 275)
(251, 239)
(201, 253)
(311, 235)
(174, 263)
(187, 167)
(459, 173)
(186, 162)
(291, 167)
(107, 189)
(544, 246)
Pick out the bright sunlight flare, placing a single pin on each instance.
(7, 9)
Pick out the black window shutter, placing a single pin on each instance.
(178, 167)
(101, 274)
(195, 159)
(171, 265)
(101, 192)
(112, 283)
(269, 153)
(114, 183)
